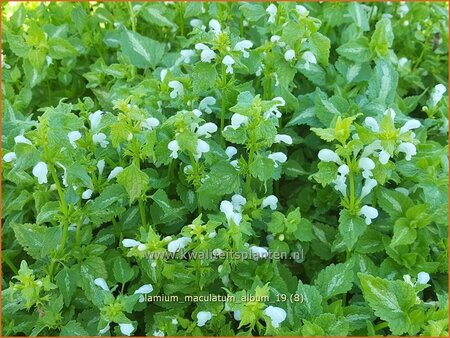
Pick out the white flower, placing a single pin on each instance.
(142, 247)
(384, 157)
(178, 244)
(272, 11)
(327, 155)
(343, 169)
(143, 290)
(237, 120)
(21, 139)
(283, 138)
(301, 10)
(101, 166)
(74, 136)
(372, 124)
(95, 119)
(86, 194)
(238, 201)
(279, 102)
(203, 317)
(423, 278)
(40, 171)
(158, 333)
(228, 209)
(369, 184)
(436, 95)
(116, 171)
(369, 213)
(340, 185)
(101, 283)
(130, 243)
(237, 315)
(163, 74)
(409, 125)
(186, 54)
(402, 10)
(100, 138)
(64, 176)
(367, 165)
(207, 54)
(260, 69)
(229, 62)
(196, 23)
(105, 329)
(275, 38)
(150, 123)
(9, 157)
(277, 157)
(177, 89)
(214, 26)
(402, 61)
(174, 147)
(390, 112)
(408, 148)
(126, 329)
(206, 129)
(309, 57)
(270, 201)
(259, 252)
(174, 321)
(277, 315)
(289, 55)
(202, 147)
(242, 46)
(205, 103)
(230, 151)
(407, 279)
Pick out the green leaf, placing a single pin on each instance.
(252, 11)
(356, 50)
(67, 280)
(393, 202)
(351, 228)
(77, 175)
(383, 83)
(335, 279)
(122, 270)
(141, 51)
(204, 76)
(359, 16)
(48, 212)
(320, 46)
(134, 180)
(312, 301)
(38, 241)
(383, 37)
(60, 48)
(73, 328)
(262, 168)
(403, 233)
(390, 300)
(327, 173)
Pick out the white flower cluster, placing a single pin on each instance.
(204, 130)
(125, 328)
(233, 209)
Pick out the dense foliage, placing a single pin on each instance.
(137, 129)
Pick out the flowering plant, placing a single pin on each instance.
(137, 136)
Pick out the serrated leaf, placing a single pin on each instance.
(335, 279)
(73, 328)
(390, 300)
(204, 77)
(351, 228)
(142, 52)
(122, 270)
(320, 46)
(134, 180)
(312, 301)
(67, 280)
(262, 168)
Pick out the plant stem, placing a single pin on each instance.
(10, 264)
(137, 161)
(222, 113)
(117, 229)
(248, 179)
(194, 165)
(381, 326)
(132, 17)
(352, 184)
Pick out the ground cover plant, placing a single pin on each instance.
(136, 131)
